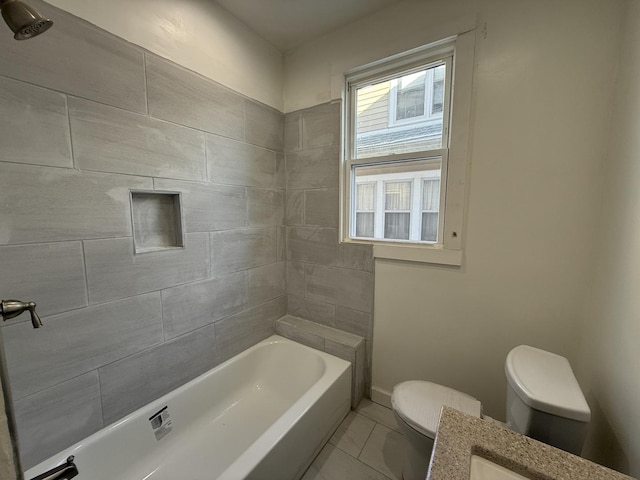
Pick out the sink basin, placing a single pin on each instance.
(483, 469)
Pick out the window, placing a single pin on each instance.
(403, 170)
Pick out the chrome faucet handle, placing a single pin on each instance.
(12, 308)
(66, 471)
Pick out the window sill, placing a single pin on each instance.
(418, 253)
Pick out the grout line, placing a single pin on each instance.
(146, 82)
(101, 398)
(206, 158)
(367, 441)
(71, 149)
(86, 274)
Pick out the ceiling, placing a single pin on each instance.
(289, 23)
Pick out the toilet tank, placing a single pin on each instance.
(544, 400)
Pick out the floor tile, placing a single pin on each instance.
(334, 464)
(352, 434)
(384, 451)
(377, 413)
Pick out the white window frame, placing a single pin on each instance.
(448, 249)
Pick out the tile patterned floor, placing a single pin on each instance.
(367, 446)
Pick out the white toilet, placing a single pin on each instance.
(544, 401)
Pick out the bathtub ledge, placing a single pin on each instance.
(330, 340)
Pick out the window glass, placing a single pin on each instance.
(409, 193)
(410, 95)
(401, 114)
(365, 209)
(397, 206)
(430, 207)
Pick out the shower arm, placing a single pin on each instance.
(12, 308)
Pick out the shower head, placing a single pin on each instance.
(26, 22)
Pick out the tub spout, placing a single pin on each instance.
(66, 471)
(13, 308)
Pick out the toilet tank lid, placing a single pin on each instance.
(418, 403)
(545, 381)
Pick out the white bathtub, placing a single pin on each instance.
(264, 414)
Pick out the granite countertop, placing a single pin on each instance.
(460, 435)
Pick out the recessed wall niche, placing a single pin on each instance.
(157, 221)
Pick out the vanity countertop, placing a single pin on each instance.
(459, 436)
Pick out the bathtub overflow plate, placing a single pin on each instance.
(161, 423)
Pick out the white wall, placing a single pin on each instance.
(543, 89)
(610, 354)
(197, 34)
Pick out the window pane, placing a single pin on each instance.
(397, 196)
(437, 101)
(410, 95)
(393, 116)
(366, 197)
(364, 224)
(408, 188)
(429, 226)
(397, 225)
(431, 194)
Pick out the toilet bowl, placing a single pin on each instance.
(416, 407)
(544, 401)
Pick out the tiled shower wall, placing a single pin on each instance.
(327, 282)
(86, 118)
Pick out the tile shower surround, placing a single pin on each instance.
(87, 117)
(327, 282)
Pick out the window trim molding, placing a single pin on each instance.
(450, 250)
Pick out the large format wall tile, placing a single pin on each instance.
(108, 139)
(77, 58)
(235, 250)
(321, 207)
(281, 171)
(319, 312)
(133, 382)
(34, 127)
(239, 332)
(294, 214)
(264, 126)
(320, 126)
(76, 342)
(63, 204)
(356, 256)
(295, 278)
(50, 274)
(281, 243)
(209, 207)
(354, 321)
(266, 282)
(55, 418)
(340, 286)
(320, 245)
(317, 168)
(292, 132)
(236, 163)
(266, 207)
(184, 97)
(114, 271)
(312, 245)
(194, 305)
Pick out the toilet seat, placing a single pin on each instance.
(418, 403)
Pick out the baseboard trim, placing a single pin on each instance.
(381, 396)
